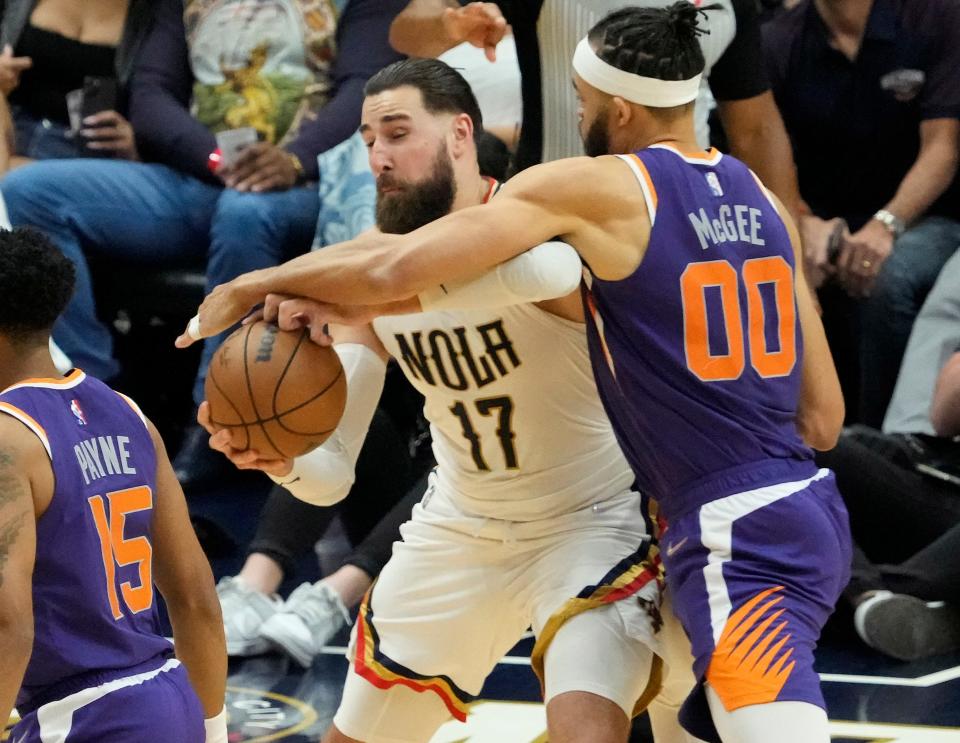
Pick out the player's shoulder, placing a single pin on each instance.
(23, 441)
(578, 180)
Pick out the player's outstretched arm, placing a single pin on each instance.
(24, 467)
(592, 204)
(183, 576)
(820, 410)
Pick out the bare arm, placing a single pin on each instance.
(758, 137)
(945, 410)
(932, 171)
(428, 28)
(183, 575)
(24, 469)
(820, 410)
(592, 204)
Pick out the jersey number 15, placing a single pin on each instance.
(117, 550)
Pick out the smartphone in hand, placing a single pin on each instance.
(233, 141)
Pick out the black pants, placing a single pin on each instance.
(288, 527)
(906, 526)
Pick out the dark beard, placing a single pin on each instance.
(597, 141)
(418, 203)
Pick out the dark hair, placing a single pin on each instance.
(36, 282)
(654, 42)
(443, 89)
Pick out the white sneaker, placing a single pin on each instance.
(244, 611)
(312, 615)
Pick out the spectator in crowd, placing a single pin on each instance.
(51, 48)
(255, 620)
(208, 66)
(734, 68)
(902, 490)
(870, 94)
(392, 459)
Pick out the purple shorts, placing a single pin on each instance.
(754, 577)
(158, 706)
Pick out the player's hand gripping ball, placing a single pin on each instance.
(276, 391)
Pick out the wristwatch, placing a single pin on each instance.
(891, 221)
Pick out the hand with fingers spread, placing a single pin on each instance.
(11, 68)
(109, 131)
(862, 255)
(262, 167)
(243, 459)
(480, 24)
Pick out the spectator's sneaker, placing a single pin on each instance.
(244, 611)
(312, 615)
(907, 628)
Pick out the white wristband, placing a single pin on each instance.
(325, 475)
(216, 727)
(547, 271)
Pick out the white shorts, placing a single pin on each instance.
(460, 591)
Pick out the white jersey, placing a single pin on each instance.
(561, 26)
(519, 432)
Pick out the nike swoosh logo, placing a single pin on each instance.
(672, 549)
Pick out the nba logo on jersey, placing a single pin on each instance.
(714, 183)
(78, 413)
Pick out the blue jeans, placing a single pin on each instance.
(43, 139)
(151, 214)
(887, 316)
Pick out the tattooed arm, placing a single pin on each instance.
(26, 487)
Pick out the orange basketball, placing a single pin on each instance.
(277, 391)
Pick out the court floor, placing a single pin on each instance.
(869, 699)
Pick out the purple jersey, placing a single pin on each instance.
(698, 353)
(93, 595)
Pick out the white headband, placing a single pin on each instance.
(647, 91)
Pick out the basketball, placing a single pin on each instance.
(276, 391)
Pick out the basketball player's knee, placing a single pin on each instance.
(582, 717)
(617, 666)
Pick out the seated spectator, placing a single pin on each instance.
(734, 73)
(496, 85)
(255, 620)
(206, 68)
(288, 529)
(902, 490)
(870, 95)
(52, 48)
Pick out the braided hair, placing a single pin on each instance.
(653, 42)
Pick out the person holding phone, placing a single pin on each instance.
(65, 67)
(207, 69)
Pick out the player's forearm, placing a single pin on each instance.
(201, 647)
(325, 475)
(16, 644)
(926, 180)
(354, 272)
(419, 30)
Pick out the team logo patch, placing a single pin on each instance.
(78, 412)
